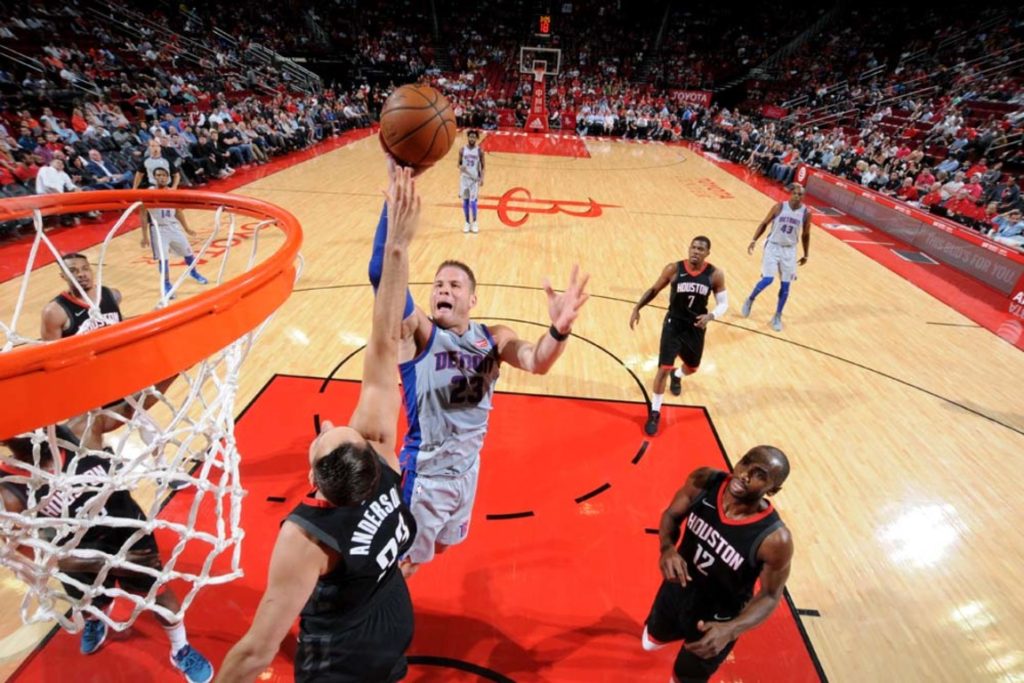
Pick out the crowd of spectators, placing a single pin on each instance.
(184, 80)
(962, 185)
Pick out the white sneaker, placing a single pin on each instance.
(466, 228)
(476, 228)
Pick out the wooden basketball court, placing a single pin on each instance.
(901, 418)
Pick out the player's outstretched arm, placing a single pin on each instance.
(564, 308)
(377, 254)
(667, 273)
(295, 566)
(376, 413)
(777, 554)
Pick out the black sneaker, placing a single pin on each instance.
(652, 423)
(675, 384)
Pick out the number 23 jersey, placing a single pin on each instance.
(447, 391)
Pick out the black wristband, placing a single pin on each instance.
(558, 336)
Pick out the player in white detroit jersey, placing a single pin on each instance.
(449, 365)
(168, 227)
(789, 220)
(471, 168)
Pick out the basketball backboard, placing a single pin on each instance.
(532, 58)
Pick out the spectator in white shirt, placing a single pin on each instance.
(52, 179)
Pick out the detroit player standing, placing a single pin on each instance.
(788, 219)
(734, 537)
(682, 333)
(335, 563)
(168, 229)
(471, 179)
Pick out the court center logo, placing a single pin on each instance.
(516, 206)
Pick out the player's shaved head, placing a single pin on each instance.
(773, 457)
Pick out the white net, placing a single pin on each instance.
(85, 500)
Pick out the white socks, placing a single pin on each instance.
(678, 372)
(176, 634)
(656, 400)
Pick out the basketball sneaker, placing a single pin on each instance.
(651, 428)
(168, 289)
(675, 384)
(93, 635)
(746, 307)
(777, 323)
(197, 668)
(466, 227)
(198, 278)
(475, 228)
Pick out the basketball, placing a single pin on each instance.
(417, 126)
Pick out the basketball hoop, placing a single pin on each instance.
(538, 74)
(201, 341)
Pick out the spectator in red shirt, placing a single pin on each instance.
(924, 181)
(933, 198)
(974, 187)
(963, 208)
(978, 168)
(908, 192)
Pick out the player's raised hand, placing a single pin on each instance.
(673, 567)
(403, 206)
(565, 307)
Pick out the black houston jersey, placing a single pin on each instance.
(89, 472)
(79, 320)
(721, 553)
(688, 296)
(369, 537)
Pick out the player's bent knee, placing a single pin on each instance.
(687, 370)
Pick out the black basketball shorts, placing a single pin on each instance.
(674, 616)
(681, 339)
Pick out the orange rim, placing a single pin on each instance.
(44, 384)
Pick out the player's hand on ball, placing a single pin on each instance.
(716, 636)
(565, 307)
(673, 567)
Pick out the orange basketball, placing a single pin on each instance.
(417, 126)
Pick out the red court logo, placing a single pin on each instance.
(517, 204)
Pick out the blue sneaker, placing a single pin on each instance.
(93, 636)
(198, 278)
(747, 305)
(168, 289)
(197, 668)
